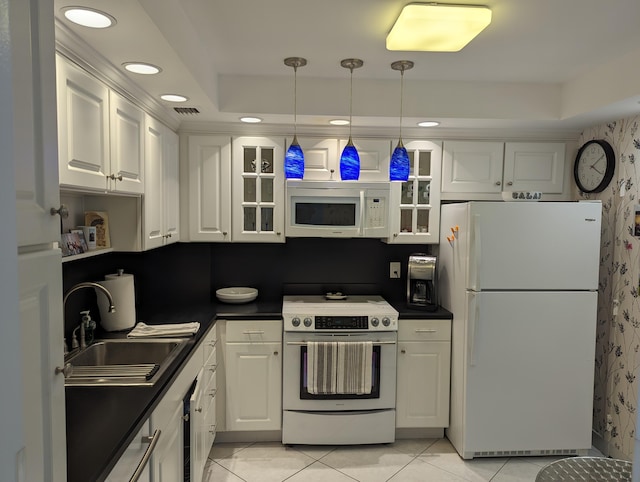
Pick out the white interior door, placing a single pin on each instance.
(529, 370)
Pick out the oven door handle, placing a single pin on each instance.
(377, 342)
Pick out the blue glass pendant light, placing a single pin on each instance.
(350, 160)
(399, 166)
(294, 158)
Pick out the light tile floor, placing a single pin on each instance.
(420, 460)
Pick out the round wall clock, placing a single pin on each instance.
(594, 166)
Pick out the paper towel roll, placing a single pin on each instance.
(122, 290)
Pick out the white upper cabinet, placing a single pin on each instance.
(127, 145)
(258, 189)
(83, 127)
(100, 134)
(207, 188)
(374, 154)
(161, 200)
(415, 203)
(472, 166)
(322, 158)
(534, 166)
(481, 167)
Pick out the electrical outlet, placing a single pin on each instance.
(394, 270)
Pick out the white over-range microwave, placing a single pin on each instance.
(335, 209)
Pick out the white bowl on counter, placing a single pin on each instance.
(237, 294)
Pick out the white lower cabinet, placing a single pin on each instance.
(163, 434)
(253, 366)
(133, 458)
(423, 381)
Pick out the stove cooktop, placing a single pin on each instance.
(335, 312)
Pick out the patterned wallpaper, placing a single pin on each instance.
(618, 332)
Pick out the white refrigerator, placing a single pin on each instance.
(521, 280)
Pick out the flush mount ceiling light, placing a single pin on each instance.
(433, 27)
(350, 160)
(399, 165)
(174, 98)
(251, 120)
(142, 68)
(294, 158)
(339, 122)
(428, 123)
(88, 17)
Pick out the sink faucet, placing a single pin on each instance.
(79, 286)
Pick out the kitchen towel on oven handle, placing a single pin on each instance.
(322, 357)
(335, 368)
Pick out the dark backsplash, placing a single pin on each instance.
(185, 273)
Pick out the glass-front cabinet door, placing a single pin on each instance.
(415, 203)
(258, 189)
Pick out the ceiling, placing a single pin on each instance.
(543, 65)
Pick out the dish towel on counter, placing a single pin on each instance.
(142, 330)
(335, 368)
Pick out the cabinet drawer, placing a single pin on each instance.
(416, 330)
(211, 363)
(254, 331)
(209, 384)
(209, 343)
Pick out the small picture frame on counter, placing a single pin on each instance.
(99, 220)
(636, 226)
(70, 244)
(83, 241)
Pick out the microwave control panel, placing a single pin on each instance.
(376, 212)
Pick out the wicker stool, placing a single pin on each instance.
(591, 469)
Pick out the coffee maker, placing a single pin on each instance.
(422, 282)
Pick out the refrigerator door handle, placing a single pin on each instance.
(474, 315)
(475, 265)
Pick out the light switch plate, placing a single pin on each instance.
(394, 270)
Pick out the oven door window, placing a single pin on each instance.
(375, 382)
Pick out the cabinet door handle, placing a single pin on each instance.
(253, 332)
(275, 353)
(224, 233)
(63, 211)
(113, 177)
(67, 370)
(403, 351)
(199, 409)
(152, 441)
(498, 183)
(426, 330)
(510, 183)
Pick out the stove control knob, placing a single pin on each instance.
(374, 321)
(307, 322)
(295, 321)
(386, 321)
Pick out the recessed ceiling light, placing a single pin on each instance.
(428, 123)
(251, 120)
(339, 122)
(89, 17)
(142, 68)
(174, 98)
(432, 27)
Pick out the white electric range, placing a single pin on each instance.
(332, 417)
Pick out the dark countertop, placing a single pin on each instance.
(102, 421)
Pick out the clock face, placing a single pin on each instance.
(594, 166)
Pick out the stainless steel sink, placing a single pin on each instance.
(123, 362)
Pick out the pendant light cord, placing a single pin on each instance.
(295, 101)
(350, 101)
(401, 98)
